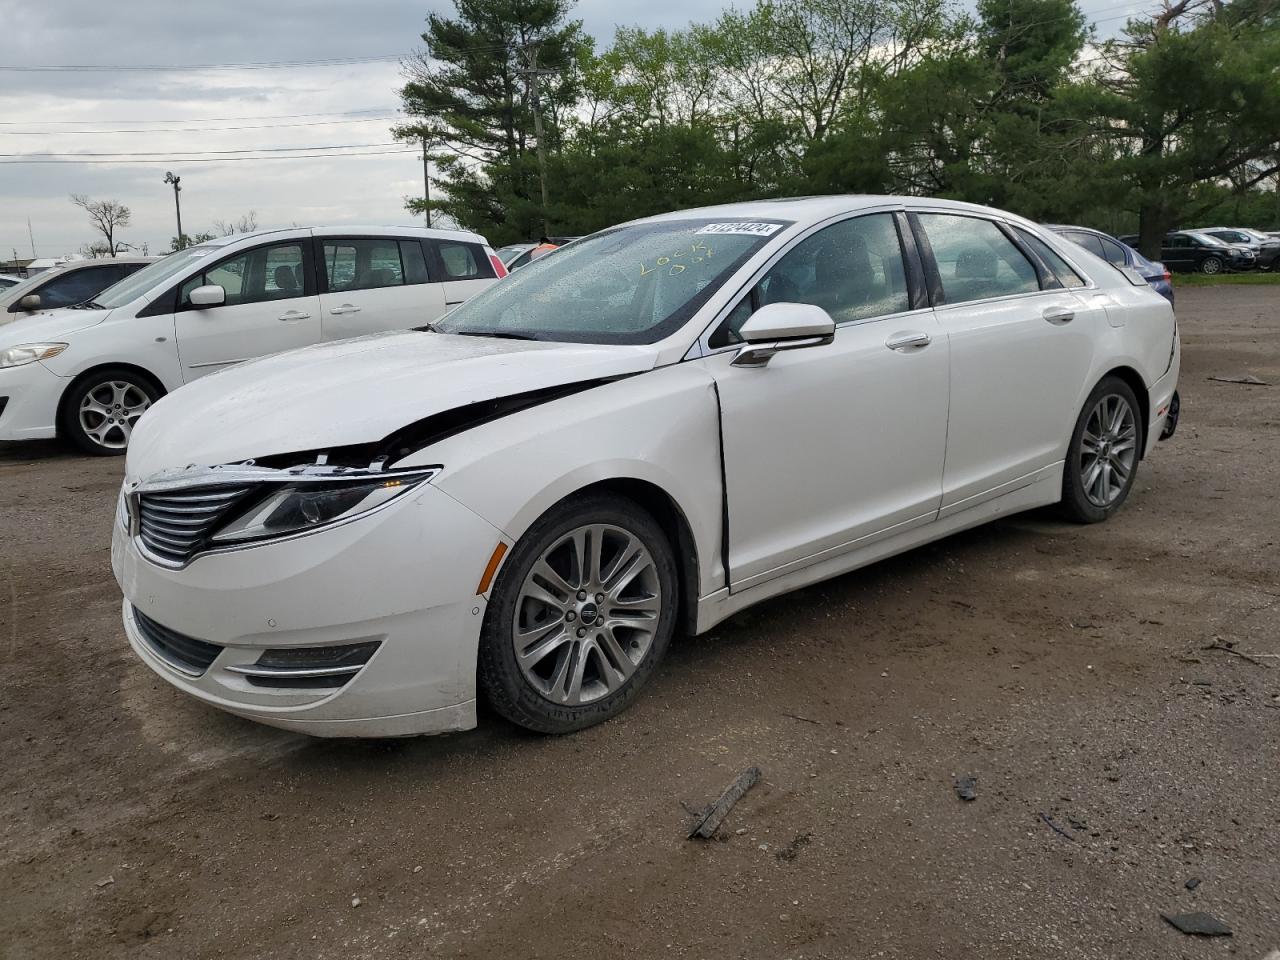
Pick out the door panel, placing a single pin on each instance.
(835, 443)
(267, 309)
(372, 284)
(831, 444)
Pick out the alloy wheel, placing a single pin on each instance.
(1108, 450)
(110, 410)
(587, 614)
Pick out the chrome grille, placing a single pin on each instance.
(176, 524)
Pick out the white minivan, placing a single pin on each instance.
(88, 373)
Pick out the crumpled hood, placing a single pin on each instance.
(45, 325)
(351, 392)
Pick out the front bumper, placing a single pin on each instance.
(404, 577)
(30, 395)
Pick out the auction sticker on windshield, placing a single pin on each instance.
(749, 229)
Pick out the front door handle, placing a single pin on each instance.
(908, 341)
(295, 315)
(1058, 315)
(345, 308)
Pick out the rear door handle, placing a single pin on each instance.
(1058, 315)
(908, 341)
(295, 315)
(345, 308)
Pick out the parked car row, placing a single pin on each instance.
(1196, 251)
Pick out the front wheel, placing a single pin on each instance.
(1211, 265)
(580, 616)
(1102, 460)
(101, 410)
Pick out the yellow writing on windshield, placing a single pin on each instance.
(677, 263)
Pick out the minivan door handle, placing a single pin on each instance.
(295, 315)
(345, 308)
(907, 341)
(1058, 315)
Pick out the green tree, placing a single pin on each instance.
(1188, 104)
(470, 97)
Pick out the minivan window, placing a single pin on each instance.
(257, 275)
(461, 261)
(852, 269)
(77, 286)
(155, 276)
(975, 259)
(362, 264)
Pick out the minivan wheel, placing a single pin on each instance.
(581, 614)
(1102, 460)
(1211, 265)
(100, 412)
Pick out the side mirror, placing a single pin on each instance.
(783, 326)
(211, 295)
(30, 302)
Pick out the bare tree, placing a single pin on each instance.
(94, 251)
(107, 216)
(246, 224)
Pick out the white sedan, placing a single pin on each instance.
(664, 423)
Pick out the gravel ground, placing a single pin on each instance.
(1062, 666)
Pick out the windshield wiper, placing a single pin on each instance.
(500, 335)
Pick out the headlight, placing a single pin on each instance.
(309, 504)
(29, 353)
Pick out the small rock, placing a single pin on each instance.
(885, 674)
(106, 883)
(355, 901)
(967, 788)
(417, 869)
(1192, 883)
(1200, 924)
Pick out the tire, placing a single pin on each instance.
(568, 641)
(100, 410)
(1106, 447)
(1211, 265)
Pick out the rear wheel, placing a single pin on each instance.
(101, 410)
(1211, 265)
(580, 616)
(1102, 460)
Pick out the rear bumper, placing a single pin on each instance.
(1161, 398)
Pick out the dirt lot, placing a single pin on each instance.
(1063, 666)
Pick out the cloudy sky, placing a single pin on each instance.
(167, 113)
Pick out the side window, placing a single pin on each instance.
(415, 264)
(852, 269)
(1112, 252)
(463, 261)
(78, 286)
(1060, 268)
(1177, 241)
(1088, 241)
(261, 274)
(362, 264)
(975, 259)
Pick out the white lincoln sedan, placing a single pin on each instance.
(664, 423)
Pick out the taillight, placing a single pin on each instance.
(498, 268)
(1168, 277)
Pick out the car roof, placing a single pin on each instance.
(814, 209)
(353, 230)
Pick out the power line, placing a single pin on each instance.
(178, 155)
(262, 126)
(277, 116)
(189, 67)
(305, 156)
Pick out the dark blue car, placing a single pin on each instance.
(1121, 254)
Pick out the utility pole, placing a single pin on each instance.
(32, 237)
(426, 183)
(177, 205)
(533, 73)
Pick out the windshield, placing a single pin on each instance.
(1205, 238)
(633, 284)
(23, 287)
(153, 275)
